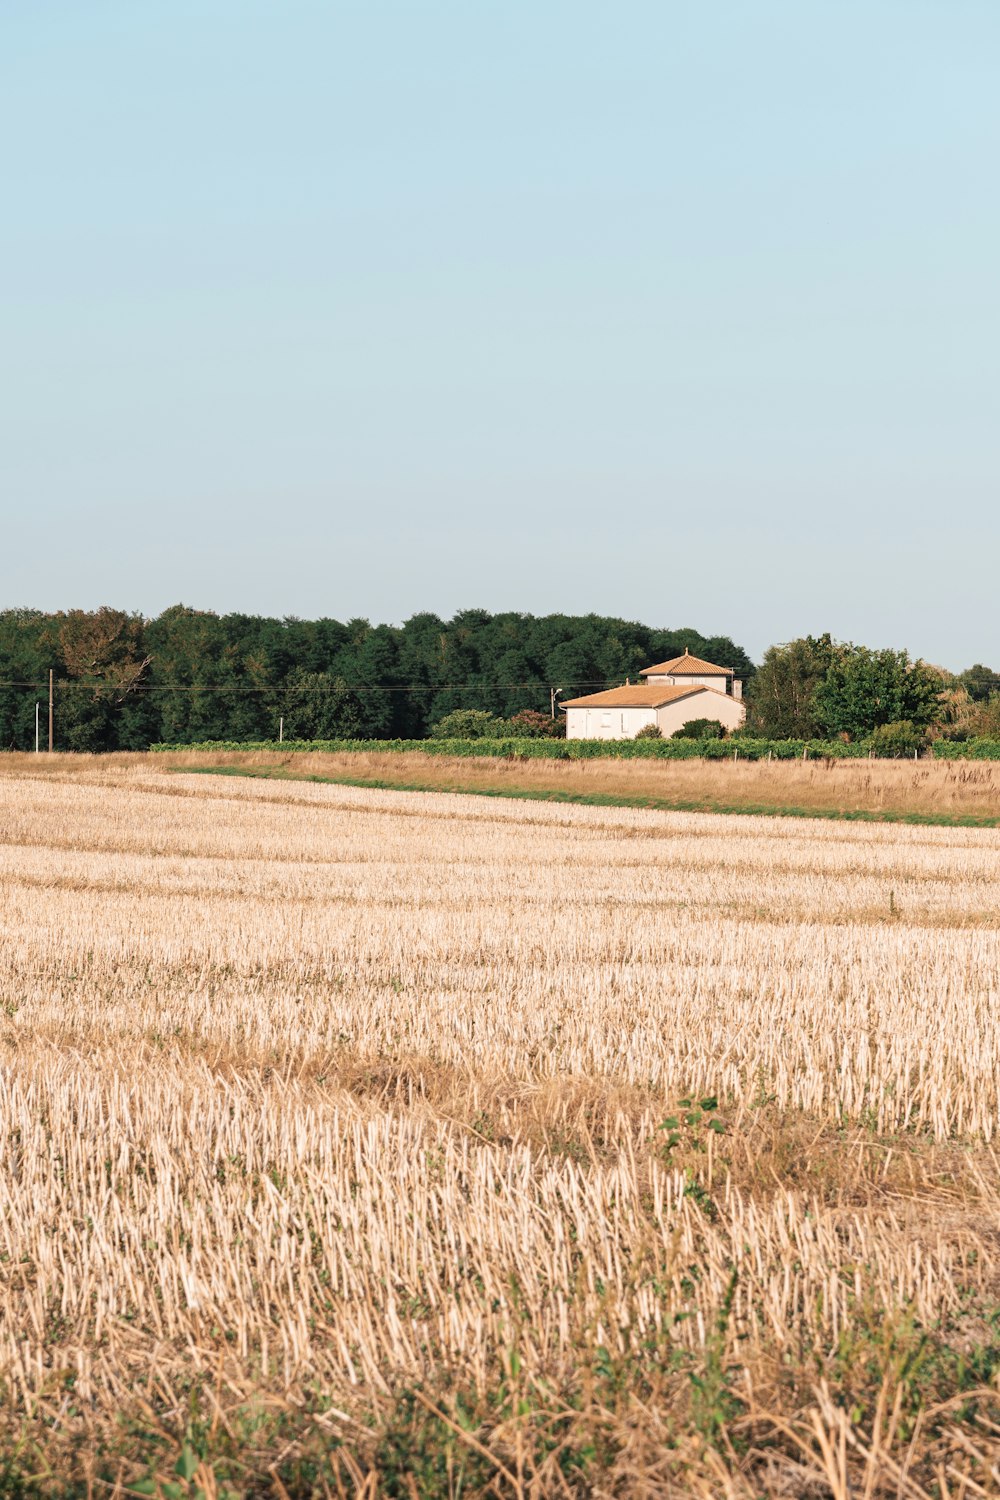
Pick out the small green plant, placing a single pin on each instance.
(419, 1450)
(764, 1095)
(690, 1128)
(192, 1477)
(650, 732)
(713, 1403)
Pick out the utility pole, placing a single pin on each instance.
(36, 725)
(281, 729)
(50, 710)
(554, 693)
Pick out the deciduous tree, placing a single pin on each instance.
(781, 700)
(864, 689)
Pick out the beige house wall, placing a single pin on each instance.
(625, 723)
(607, 723)
(729, 712)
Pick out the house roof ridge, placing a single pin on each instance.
(696, 666)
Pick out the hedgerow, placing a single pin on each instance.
(976, 749)
(528, 749)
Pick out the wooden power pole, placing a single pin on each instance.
(50, 710)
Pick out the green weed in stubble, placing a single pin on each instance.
(714, 1404)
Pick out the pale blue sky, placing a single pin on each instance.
(685, 312)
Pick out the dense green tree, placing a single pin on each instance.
(25, 659)
(421, 667)
(987, 718)
(191, 675)
(513, 672)
(864, 689)
(101, 673)
(980, 682)
(316, 706)
(188, 648)
(572, 668)
(376, 677)
(781, 699)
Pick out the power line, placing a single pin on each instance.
(447, 687)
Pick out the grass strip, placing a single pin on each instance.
(610, 799)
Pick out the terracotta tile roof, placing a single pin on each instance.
(687, 665)
(636, 695)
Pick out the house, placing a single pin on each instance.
(673, 693)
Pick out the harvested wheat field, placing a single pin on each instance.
(378, 1143)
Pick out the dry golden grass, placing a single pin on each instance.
(331, 1119)
(927, 788)
(949, 789)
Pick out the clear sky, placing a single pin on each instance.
(688, 312)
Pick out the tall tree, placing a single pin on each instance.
(25, 658)
(864, 689)
(781, 700)
(316, 706)
(980, 682)
(104, 665)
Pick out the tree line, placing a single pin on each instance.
(123, 682)
(816, 687)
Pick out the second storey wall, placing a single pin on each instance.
(710, 681)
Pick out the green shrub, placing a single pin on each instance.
(529, 724)
(700, 729)
(894, 741)
(975, 749)
(468, 724)
(649, 732)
